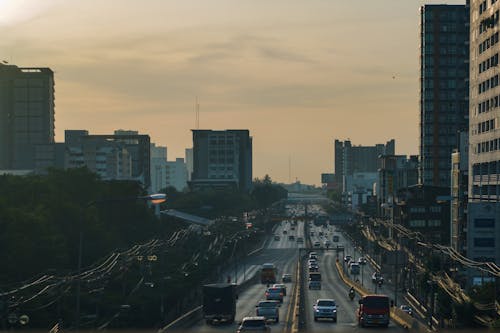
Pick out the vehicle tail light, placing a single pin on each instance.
(281, 294)
(267, 293)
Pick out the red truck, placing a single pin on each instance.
(374, 310)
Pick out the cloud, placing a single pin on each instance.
(281, 54)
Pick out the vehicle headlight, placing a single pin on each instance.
(334, 310)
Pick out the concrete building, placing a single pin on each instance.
(395, 172)
(483, 229)
(356, 170)
(459, 194)
(26, 114)
(351, 159)
(189, 162)
(177, 174)
(424, 209)
(121, 156)
(158, 168)
(444, 36)
(222, 159)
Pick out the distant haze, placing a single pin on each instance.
(296, 73)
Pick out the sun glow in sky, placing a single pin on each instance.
(298, 74)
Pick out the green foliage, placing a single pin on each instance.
(40, 219)
(265, 193)
(334, 195)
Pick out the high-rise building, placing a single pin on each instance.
(189, 162)
(351, 159)
(483, 228)
(222, 159)
(177, 174)
(459, 196)
(122, 156)
(395, 172)
(26, 114)
(158, 168)
(444, 54)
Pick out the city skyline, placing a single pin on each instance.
(322, 72)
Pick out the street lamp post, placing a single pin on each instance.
(155, 199)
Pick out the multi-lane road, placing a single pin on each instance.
(333, 287)
(284, 253)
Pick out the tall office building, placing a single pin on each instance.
(158, 168)
(444, 54)
(483, 228)
(189, 162)
(177, 174)
(26, 114)
(125, 156)
(351, 159)
(222, 159)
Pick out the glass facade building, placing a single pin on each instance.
(444, 73)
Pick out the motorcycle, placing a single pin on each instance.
(351, 294)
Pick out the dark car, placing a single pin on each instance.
(286, 278)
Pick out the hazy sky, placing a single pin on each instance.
(297, 73)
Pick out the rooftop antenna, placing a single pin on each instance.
(197, 113)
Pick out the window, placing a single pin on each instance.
(484, 223)
(434, 223)
(417, 223)
(484, 242)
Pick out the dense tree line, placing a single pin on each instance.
(41, 215)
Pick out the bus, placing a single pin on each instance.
(374, 310)
(268, 273)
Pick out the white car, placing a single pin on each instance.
(325, 308)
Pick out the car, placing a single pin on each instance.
(317, 244)
(313, 255)
(268, 310)
(282, 286)
(354, 268)
(277, 237)
(312, 261)
(347, 258)
(320, 233)
(313, 268)
(274, 294)
(407, 309)
(315, 285)
(284, 232)
(328, 243)
(286, 278)
(362, 260)
(335, 238)
(291, 237)
(311, 233)
(300, 240)
(377, 278)
(257, 323)
(292, 228)
(325, 308)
